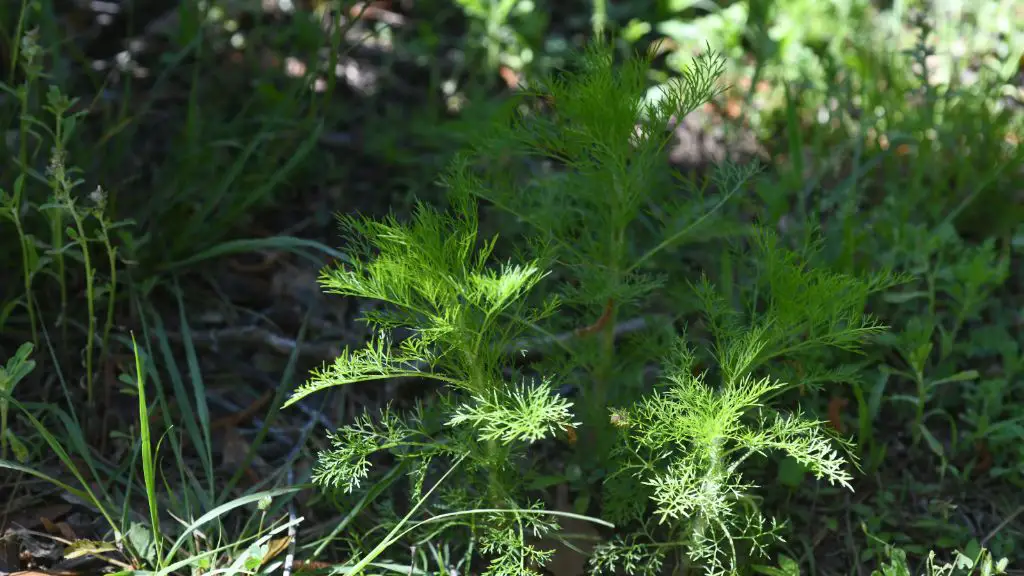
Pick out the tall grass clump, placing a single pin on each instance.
(148, 521)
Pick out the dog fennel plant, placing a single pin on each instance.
(602, 218)
(599, 203)
(460, 315)
(684, 444)
(602, 215)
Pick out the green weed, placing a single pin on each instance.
(683, 443)
(923, 187)
(461, 315)
(600, 204)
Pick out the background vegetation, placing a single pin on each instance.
(781, 336)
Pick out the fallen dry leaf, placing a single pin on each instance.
(311, 566)
(275, 547)
(49, 526)
(66, 531)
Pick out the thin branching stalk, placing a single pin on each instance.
(26, 52)
(63, 185)
(90, 297)
(60, 188)
(27, 272)
(99, 211)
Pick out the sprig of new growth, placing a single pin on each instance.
(460, 313)
(794, 311)
(441, 287)
(687, 441)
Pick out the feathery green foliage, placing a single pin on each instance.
(602, 206)
(602, 218)
(460, 313)
(441, 287)
(685, 442)
(678, 433)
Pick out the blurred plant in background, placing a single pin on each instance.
(800, 41)
(509, 31)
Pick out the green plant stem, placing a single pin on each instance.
(603, 374)
(24, 94)
(711, 479)
(479, 384)
(19, 29)
(57, 243)
(679, 235)
(919, 381)
(922, 398)
(27, 274)
(62, 188)
(112, 290)
(396, 532)
(90, 298)
(599, 18)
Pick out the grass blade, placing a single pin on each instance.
(188, 413)
(286, 243)
(148, 464)
(219, 511)
(86, 494)
(198, 388)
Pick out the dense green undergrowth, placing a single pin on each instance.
(670, 372)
